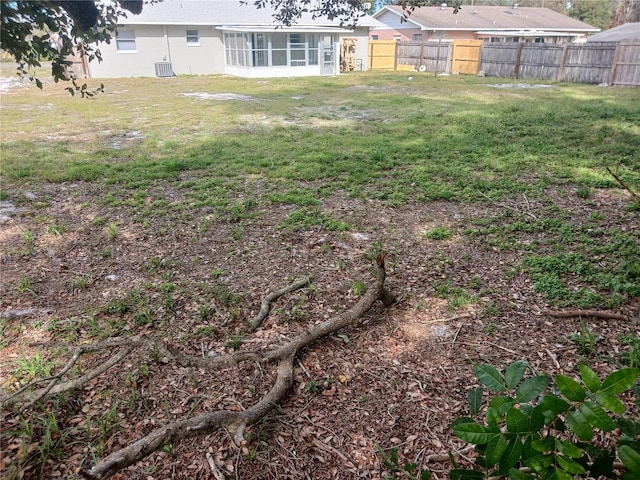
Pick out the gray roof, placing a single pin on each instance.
(221, 13)
(626, 31)
(493, 18)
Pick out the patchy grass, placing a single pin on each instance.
(153, 213)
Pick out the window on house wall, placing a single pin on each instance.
(397, 38)
(236, 47)
(260, 49)
(275, 49)
(375, 37)
(126, 41)
(417, 37)
(193, 40)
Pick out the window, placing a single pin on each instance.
(417, 37)
(272, 50)
(237, 49)
(260, 50)
(193, 40)
(126, 41)
(397, 38)
(375, 37)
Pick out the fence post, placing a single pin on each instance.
(395, 58)
(614, 67)
(563, 59)
(516, 72)
(422, 62)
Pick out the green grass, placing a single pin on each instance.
(453, 139)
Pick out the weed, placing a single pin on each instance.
(99, 221)
(144, 316)
(25, 286)
(306, 219)
(81, 283)
(234, 342)
(631, 355)
(112, 231)
(439, 233)
(34, 366)
(359, 287)
(585, 339)
(106, 252)
(583, 192)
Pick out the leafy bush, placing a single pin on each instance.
(528, 436)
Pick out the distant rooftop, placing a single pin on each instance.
(221, 12)
(626, 31)
(474, 18)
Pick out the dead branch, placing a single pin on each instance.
(586, 313)
(234, 421)
(256, 321)
(623, 184)
(30, 398)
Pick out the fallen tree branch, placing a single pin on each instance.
(256, 321)
(623, 184)
(586, 313)
(235, 421)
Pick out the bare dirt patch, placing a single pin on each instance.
(397, 380)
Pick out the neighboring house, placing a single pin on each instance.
(621, 33)
(491, 24)
(227, 37)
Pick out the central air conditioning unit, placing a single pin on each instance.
(164, 69)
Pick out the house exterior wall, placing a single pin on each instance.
(204, 59)
(160, 43)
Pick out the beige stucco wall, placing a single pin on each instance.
(157, 43)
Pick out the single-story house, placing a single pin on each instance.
(621, 33)
(488, 23)
(226, 37)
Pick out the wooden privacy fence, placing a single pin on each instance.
(606, 62)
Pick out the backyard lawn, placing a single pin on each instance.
(169, 208)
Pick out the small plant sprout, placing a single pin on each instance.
(359, 287)
(112, 230)
(439, 233)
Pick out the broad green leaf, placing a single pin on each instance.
(620, 381)
(473, 433)
(502, 403)
(552, 406)
(459, 474)
(590, 378)
(597, 416)
(539, 463)
(461, 420)
(426, 475)
(494, 417)
(569, 465)
(495, 449)
(490, 377)
(475, 400)
(515, 474)
(512, 454)
(544, 445)
(611, 403)
(580, 425)
(560, 475)
(630, 458)
(570, 388)
(536, 419)
(569, 449)
(515, 372)
(516, 421)
(628, 427)
(531, 388)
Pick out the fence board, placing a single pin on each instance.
(467, 55)
(382, 54)
(606, 62)
(433, 56)
(627, 66)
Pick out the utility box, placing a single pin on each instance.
(164, 69)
